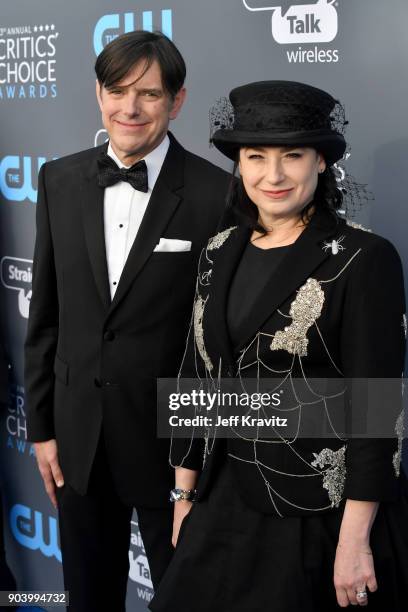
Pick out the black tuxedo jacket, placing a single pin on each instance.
(91, 361)
(346, 323)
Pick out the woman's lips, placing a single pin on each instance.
(276, 195)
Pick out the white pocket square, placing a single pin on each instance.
(172, 245)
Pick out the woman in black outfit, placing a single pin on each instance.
(291, 289)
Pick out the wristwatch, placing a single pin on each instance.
(182, 494)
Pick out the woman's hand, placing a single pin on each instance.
(353, 573)
(354, 565)
(181, 509)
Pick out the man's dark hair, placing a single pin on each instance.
(121, 55)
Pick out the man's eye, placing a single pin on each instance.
(294, 155)
(115, 92)
(151, 94)
(255, 156)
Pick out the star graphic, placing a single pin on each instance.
(47, 27)
(35, 28)
(40, 28)
(52, 27)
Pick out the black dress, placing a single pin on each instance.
(255, 268)
(232, 558)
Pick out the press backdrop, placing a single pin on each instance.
(356, 49)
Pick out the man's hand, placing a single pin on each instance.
(181, 509)
(47, 459)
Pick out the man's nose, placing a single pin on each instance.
(131, 104)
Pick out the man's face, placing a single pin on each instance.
(136, 112)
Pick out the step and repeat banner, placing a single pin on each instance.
(355, 49)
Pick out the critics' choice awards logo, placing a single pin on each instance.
(33, 530)
(16, 423)
(139, 571)
(16, 275)
(295, 23)
(28, 62)
(110, 27)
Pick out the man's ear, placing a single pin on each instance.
(177, 102)
(98, 91)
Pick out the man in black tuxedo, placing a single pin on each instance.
(119, 231)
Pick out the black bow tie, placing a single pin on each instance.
(110, 174)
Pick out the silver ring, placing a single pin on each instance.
(361, 594)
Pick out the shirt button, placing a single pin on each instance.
(121, 225)
(97, 383)
(109, 335)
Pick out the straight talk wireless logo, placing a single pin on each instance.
(298, 24)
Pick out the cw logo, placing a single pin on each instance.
(301, 23)
(109, 27)
(16, 177)
(27, 526)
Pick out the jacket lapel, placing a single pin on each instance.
(227, 261)
(300, 262)
(92, 214)
(163, 202)
(304, 257)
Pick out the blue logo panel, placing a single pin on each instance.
(110, 27)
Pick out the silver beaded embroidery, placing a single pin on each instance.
(358, 226)
(335, 476)
(304, 310)
(199, 306)
(218, 240)
(404, 324)
(399, 430)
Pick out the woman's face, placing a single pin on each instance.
(280, 181)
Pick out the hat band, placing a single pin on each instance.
(280, 118)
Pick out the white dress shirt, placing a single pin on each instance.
(124, 208)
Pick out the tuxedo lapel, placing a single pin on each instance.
(302, 259)
(92, 214)
(163, 202)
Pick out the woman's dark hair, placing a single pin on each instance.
(121, 55)
(327, 196)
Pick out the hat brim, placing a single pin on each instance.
(330, 144)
